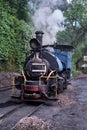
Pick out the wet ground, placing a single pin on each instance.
(70, 111)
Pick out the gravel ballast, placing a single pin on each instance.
(32, 123)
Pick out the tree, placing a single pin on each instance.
(75, 32)
(75, 23)
(22, 9)
(15, 34)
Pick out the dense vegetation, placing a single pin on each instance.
(76, 29)
(16, 29)
(15, 32)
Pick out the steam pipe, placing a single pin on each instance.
(39, 37)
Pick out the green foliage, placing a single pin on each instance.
(74, 72)
(78, 53)
(75, 32)
(15, 34)
(22, 9)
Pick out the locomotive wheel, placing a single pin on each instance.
(65, 86)
(61, 89)
(64, 75)
(65, 83)
(60, 86)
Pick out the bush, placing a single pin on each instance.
(15, 34)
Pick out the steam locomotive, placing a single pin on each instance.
(46, 70)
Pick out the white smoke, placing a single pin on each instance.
(48, 19)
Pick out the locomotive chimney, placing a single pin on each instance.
(39, 36)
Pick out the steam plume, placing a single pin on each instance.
(49, 19)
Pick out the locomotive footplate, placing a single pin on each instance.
(42, 100)
(33, 96)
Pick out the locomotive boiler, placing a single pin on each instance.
(46, 70)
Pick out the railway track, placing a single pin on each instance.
(5, 88)
(10, 103)
(34, 110)
(11, 117)
(10, 112)
(31, 110)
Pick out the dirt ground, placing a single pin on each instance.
(68, 113)
(6, 78)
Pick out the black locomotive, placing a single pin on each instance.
(46, 70)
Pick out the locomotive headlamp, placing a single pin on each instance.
(35, 44)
